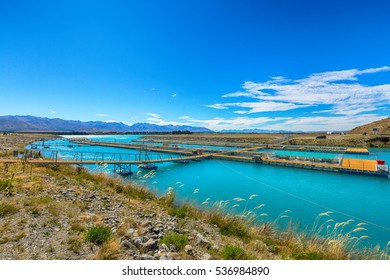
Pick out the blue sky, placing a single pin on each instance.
(296, 65)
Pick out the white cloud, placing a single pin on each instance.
(218, 106)
(222, 123)
(318, 123)
(53, 112)
(339, 123)
(235, 123)
(339, 90)
(345, 102)
(153, 115)
(100, 115)
(112, 121)
(174, 95)
(156, 119)
(257, 107)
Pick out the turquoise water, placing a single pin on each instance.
(288, 193)
(107, 138)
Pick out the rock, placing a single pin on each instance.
(146, 223)
(138, 242)
(163, 247)
(150, 245)
(188, 249)
(173, 248)
(127, 244)
(147, 257)
(206, 256)
(130, 231)
(201, 240)
(153, 236)
(216, 247)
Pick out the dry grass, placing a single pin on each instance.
(109, 251)
(7, 209)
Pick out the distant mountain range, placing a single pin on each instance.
(35, 124)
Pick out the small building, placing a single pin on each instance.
(329, 132)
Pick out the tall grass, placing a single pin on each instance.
(326, 239)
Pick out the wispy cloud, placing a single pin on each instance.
(318, 123)
(53, 112)
(219, 123)
(234, 123)
(333, 100)
(174, 95)
(334, 123)
(100, 115)
(156, 119)
(153, 115)
(339, 90)
(218, 106)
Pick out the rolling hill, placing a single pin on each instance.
(383, 127)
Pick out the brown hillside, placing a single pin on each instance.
(382, 125)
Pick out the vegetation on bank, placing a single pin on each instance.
(242, 239)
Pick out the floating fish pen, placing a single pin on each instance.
(342, 150)
(355, 166)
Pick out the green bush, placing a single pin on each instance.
(98, 234)
(6, 208)
(4, 184)
(230, 226)
(234, 253)
(310, 256)
(180, 212)
(180, 240)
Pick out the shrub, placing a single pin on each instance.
(98, 234)
(310, 256)
(6, 208)
(180, 240)
(180, 212)
(234, 253)
(230, 226)
(109, 251)
(4, 184)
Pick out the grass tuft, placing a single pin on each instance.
(98, 235)
(4, 184)
(235, 253)
(109, 251)
(182, 211)
(230, 226)
(7, 209)
(180, 240)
